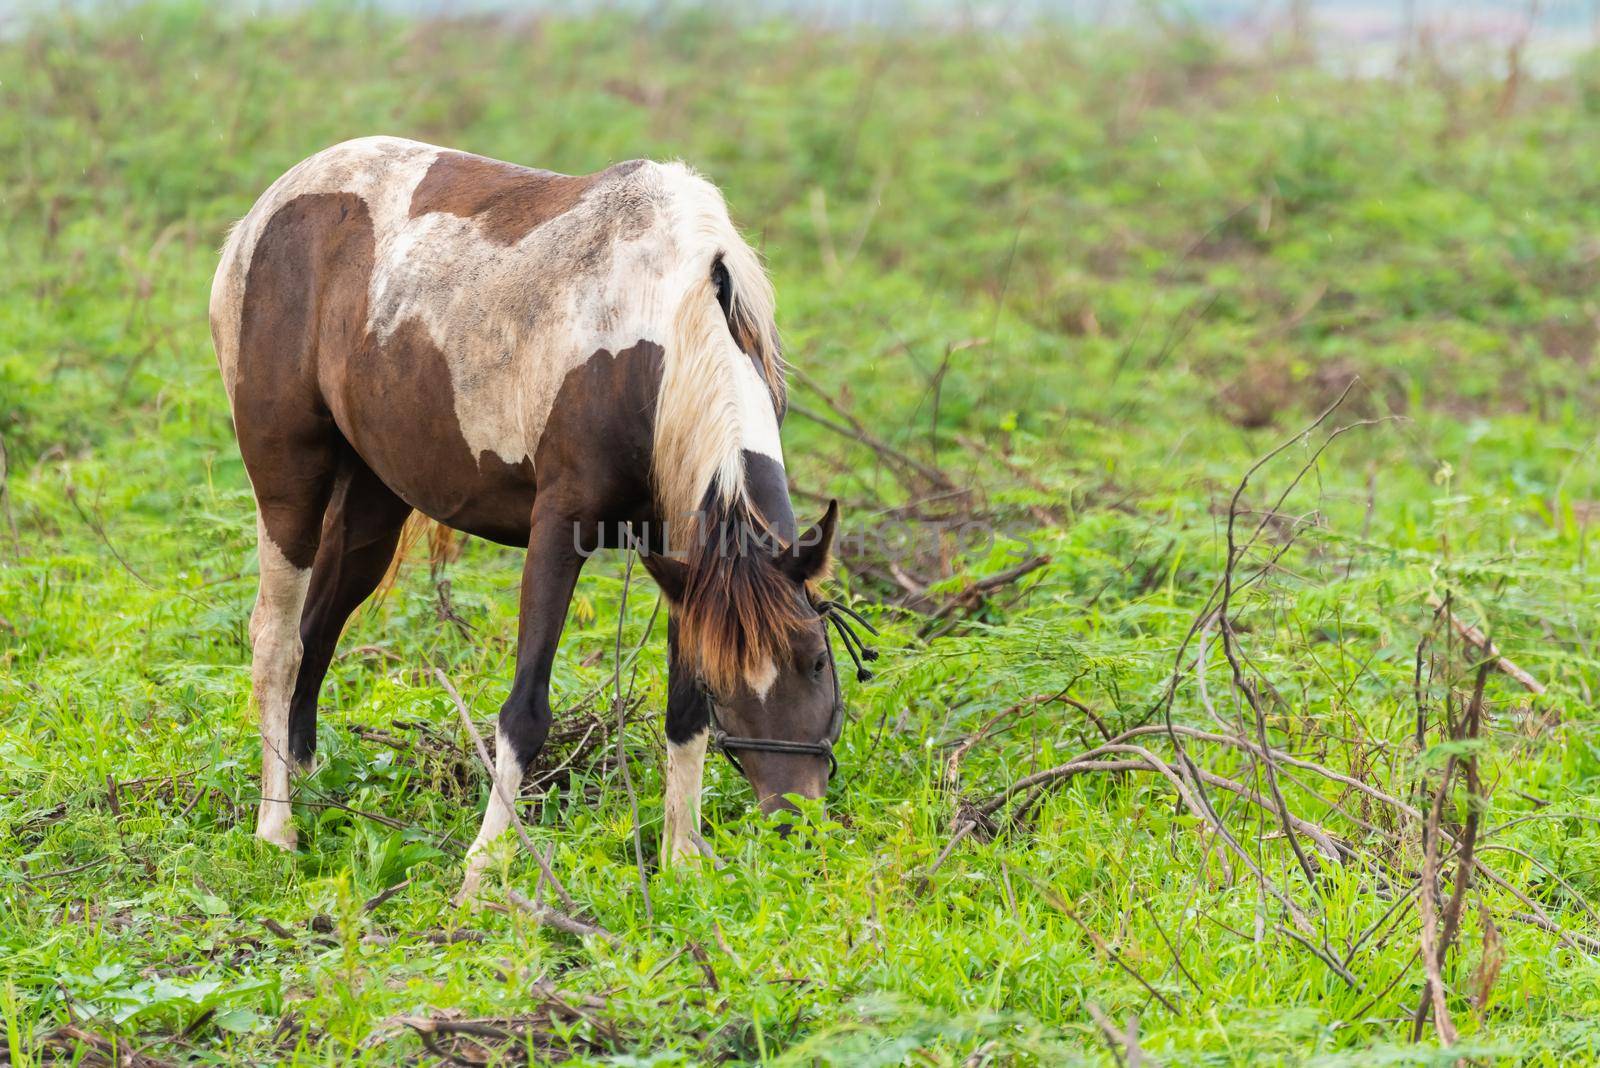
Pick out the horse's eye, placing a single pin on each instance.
(819, 667)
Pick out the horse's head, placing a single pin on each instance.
(751, 628)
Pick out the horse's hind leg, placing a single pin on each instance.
(359, 533)
(292, 482)
(299, 303)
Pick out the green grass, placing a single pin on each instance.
(1169, 258)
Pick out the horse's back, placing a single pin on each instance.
(430, 304)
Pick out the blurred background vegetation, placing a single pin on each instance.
(1065, 279)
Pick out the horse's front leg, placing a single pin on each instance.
(688, 721)
(548, 577)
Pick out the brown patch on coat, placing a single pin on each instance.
(509, 202)
(305, 294)
(593, 455)
(593, 458)
(395, 401)
(311, 377)
(597, 442)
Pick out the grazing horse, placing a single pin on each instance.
(543, 360)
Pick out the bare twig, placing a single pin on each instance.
(965, 828)
(377, 900)
(1108, 1031)
(1060, 905)
(970, 596)
(952, 767)
(853, 428)
(67, 871)
(622, 753)
(1427, 908)
(1323, 955)
(494, 783)
(1464, 865)
(1480, 641)
(1148, 761)
(560, 921)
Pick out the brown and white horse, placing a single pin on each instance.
(545, 361)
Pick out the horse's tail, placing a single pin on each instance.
(722, 383)
(443, 547)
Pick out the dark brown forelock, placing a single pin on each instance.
(739, 610)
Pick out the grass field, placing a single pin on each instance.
(1050, 294)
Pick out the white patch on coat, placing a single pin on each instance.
(686, 765)
(630, 261)
(761, 678)
(275, 661)
(497, 817)
(758, 423)
(513, 321)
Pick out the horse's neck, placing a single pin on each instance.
(768, 489)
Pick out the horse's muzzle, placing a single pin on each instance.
(774, 776)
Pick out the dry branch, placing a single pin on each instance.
(1480, 641)
(1124, 1045)
(852, 428)
(76, 1041)
(621, 706)
(1376, 847)
(1148, 761)
(560, 921)
(516, 820)
(1060, 905)
(970, 597)
(509, 1036)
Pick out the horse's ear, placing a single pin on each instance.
(671, 575)
(807, 558)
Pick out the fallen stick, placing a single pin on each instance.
(921, 882)
(376, 900)
(1145, 760)
(1119, 1041)
(433, 938)
(857, 432)
(113, 1051)
(1059, 903)
(549, 917)
(952, 767)
(969, 597)
(1544, 923)
(1480, 641)
(622, 752)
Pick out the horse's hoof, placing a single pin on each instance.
(690, 855)
(283, 838)
(467, 896)
(276, 830)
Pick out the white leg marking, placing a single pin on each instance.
(686, 765)
(275, 642)
(497, 817)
